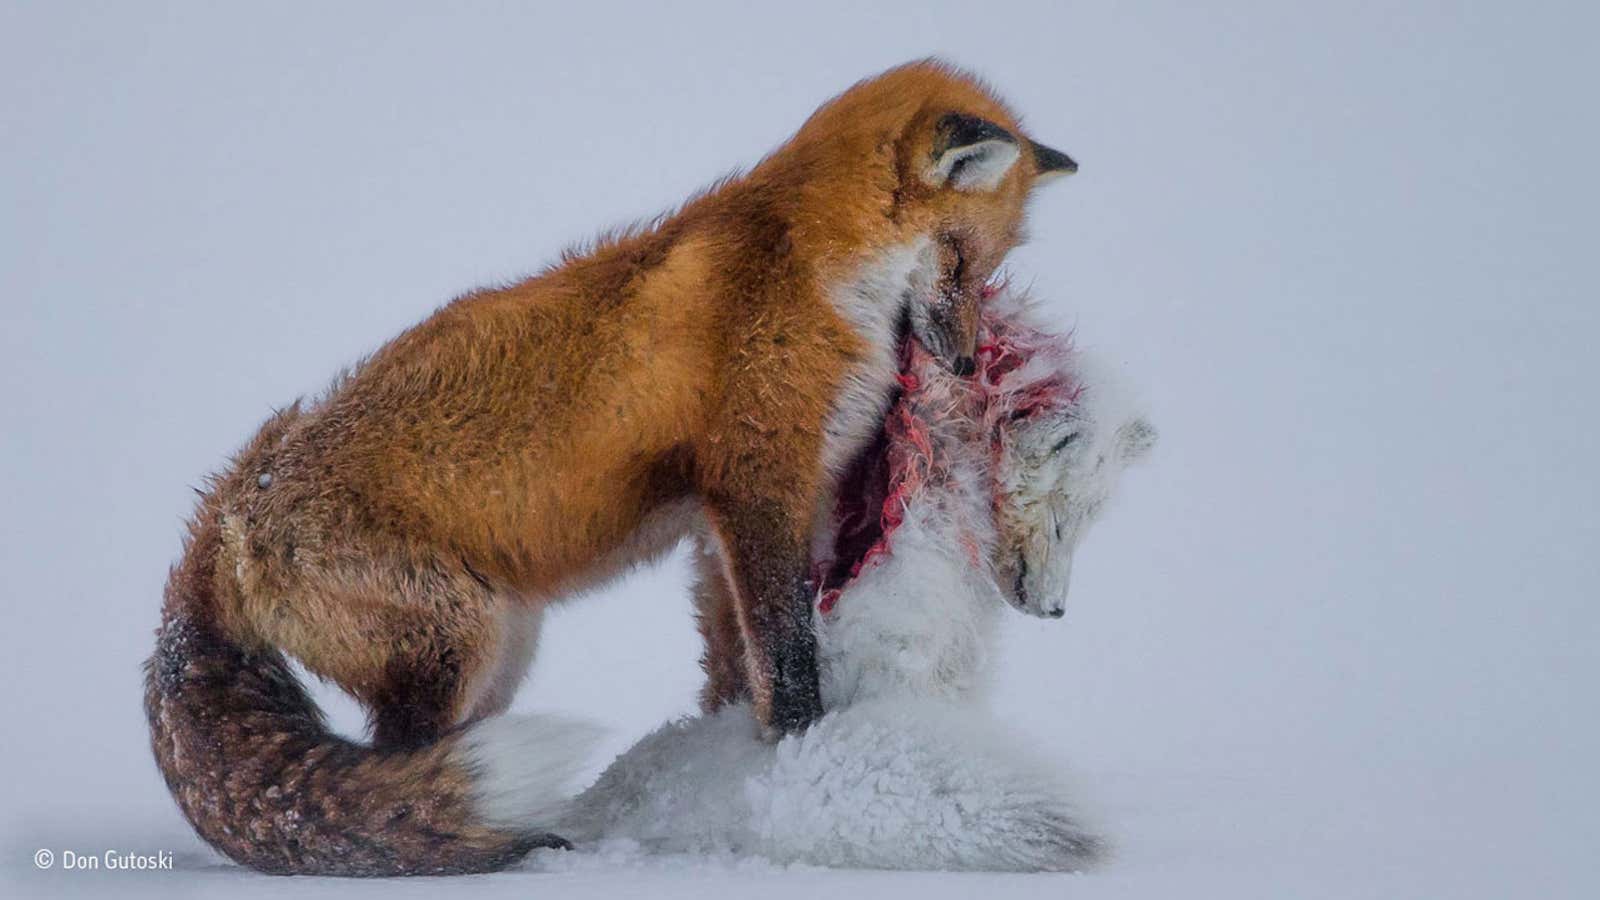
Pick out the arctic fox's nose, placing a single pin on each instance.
(1058, 612)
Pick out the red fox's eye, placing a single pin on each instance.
(1018, 415)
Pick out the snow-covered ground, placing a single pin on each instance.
(1338, 638)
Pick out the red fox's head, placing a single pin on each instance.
(970, 177)
(949, 166)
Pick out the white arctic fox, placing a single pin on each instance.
(975, 497)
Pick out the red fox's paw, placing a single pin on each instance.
(550, 842)
(796, 696)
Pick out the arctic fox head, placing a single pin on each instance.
(1013, 464)
(1063, 433)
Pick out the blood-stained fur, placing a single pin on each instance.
(713, 370)
(908, 769)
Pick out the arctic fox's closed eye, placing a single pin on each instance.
(908, 769)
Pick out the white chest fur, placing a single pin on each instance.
(873, 302)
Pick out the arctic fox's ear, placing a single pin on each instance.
(970, 154)
(1135, 439)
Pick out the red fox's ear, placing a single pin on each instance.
(1050, 162)
(970, 154)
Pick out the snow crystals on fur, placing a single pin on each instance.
(883, 784)
(908, 770)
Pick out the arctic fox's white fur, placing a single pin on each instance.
(908, 769)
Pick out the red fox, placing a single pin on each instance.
(714, 371)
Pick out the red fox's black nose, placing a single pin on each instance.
(964, 366)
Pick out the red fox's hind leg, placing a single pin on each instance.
(422, 642)
(443, 642)
(518, 642)
(419, 698)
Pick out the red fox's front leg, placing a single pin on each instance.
(723, 656)
(766, 558)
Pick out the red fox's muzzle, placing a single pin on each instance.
(946, 321)
(937, 325)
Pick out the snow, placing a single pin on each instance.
(1336, 639)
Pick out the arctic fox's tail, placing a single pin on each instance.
(246, 755)
(884, 784)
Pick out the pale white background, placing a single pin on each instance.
(1338, 639)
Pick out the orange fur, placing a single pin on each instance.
(523, 443)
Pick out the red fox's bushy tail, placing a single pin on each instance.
(246, 755)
